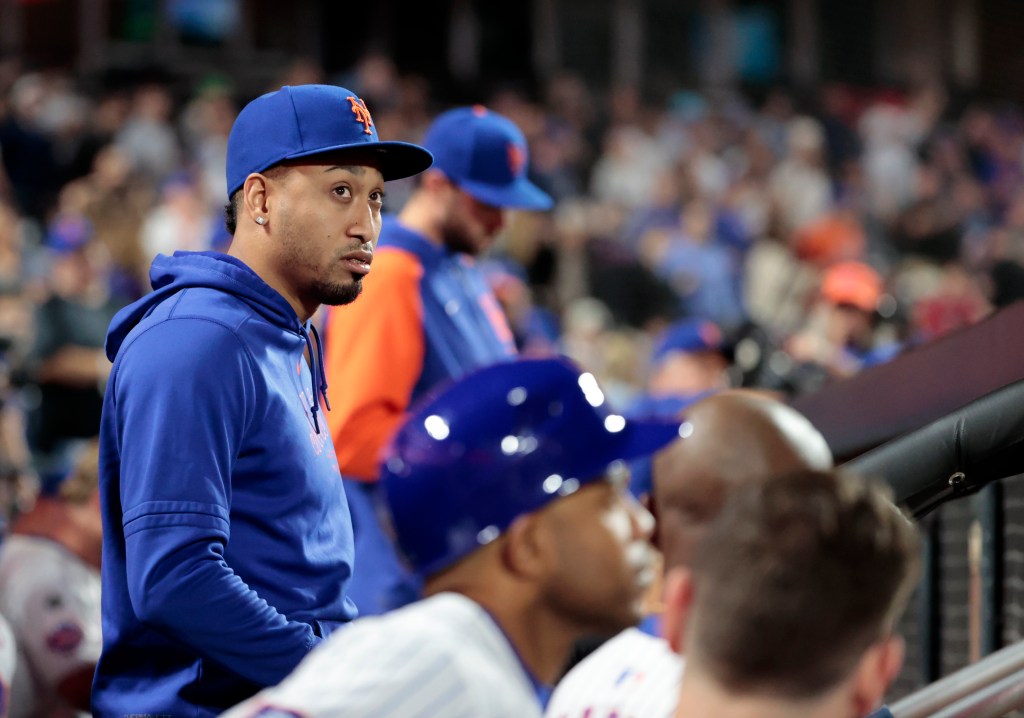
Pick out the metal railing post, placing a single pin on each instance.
(988, 506)
(929, 601)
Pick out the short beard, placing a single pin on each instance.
(337, 294)
(455, 240)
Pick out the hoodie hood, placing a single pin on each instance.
(214, 270)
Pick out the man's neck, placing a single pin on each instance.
(542, 641)
(242, 248)
(420, 214)
(700, 697)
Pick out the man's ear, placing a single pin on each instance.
(528, 547)
(254, 197)
(875, 672)
(678, 605)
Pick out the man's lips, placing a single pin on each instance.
(358, 262)
(641, 560)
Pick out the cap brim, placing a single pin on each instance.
(395, 160)
(637, 439)
(521, 194)
(644, 437)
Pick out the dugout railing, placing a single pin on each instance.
(960, 476)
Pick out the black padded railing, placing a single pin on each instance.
(953, 456)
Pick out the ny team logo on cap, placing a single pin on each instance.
(308, 120)
(485, 154)
(516, 159)
(710, 333)
(362, 114)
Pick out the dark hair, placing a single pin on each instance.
(795, 579)
(231, 213)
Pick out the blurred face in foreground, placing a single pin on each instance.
(601, 566)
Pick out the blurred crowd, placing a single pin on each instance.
(698, 240)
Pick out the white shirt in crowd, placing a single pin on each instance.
(52, 600)
(443, 656)
(8, 658)
(633, 675)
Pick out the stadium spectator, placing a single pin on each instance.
(67, 359)
(840, 332)
(50, 593)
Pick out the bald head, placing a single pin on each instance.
(738, 436)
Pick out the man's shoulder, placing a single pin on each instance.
(438, 625)
(397, 263)
(628, 648)
(633, 673)
(447, 633)
(398, 240)
(202, 322)
(202, 304)
(380, 665)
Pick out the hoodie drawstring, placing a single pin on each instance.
(318, 376)
(323, 371)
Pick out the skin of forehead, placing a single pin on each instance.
(738, 436)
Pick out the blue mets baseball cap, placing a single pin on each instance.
(689, 335)
(304, 120)
(503, 441)
(485, 154)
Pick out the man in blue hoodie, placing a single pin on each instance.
(227, 537)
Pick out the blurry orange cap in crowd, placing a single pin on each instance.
(853, 284)
(834, 237)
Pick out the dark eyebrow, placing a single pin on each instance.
(354, 169)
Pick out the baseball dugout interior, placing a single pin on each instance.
(944, 425)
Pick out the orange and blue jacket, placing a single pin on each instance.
(426, 315)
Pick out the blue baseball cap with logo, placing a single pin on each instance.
(689, 336)
(68, 233)
(485, 154)
(304, 120)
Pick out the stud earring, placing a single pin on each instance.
(260, 220)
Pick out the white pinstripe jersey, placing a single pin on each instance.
(633, 675)
(443, 656)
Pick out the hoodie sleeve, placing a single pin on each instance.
(185, 393)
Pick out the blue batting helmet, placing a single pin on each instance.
(502, 441)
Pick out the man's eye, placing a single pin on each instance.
(342, 191)
(377, 197)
